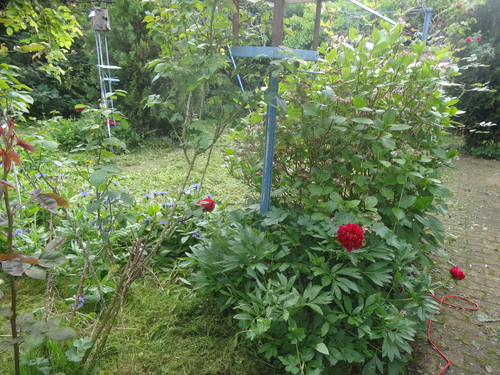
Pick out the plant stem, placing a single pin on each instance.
(13, 323)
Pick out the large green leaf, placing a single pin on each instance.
(52, 259)
(61, 333)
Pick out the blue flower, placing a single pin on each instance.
(84, 193)
(195, 186)
(81, 301)
(207, 195)
(163, 222)
(196, 234)
(17, 231)
(40, 175)
(147, 196)
(168, 204)
(147, 219)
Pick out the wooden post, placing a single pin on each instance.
(279, 12)
(236, 20)
(317, 24)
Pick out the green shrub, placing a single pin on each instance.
(73, 134)
(360, 143)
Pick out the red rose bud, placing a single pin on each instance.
(206, 203)
(350, 236)
(457, 273)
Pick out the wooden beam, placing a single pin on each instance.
(236, 20)
(279, 12)
(317, 24)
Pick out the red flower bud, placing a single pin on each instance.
(468, 39)
(350, 236)
(206, 203)
(457, 273)
(478, 38)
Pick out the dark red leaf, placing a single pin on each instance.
(25, 145)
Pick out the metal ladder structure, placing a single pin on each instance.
(100, 25)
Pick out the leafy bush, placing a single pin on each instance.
(479, 83)
(73, 134)
(360, 143)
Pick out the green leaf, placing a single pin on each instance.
(98, 178)
(52, 259)
(423, 203)
(318, 216)
(370, 202)
(362, 120)
(315, 189)
(61, 333)
(34, 342)
(398, 213)
(310, 109)
(359, 102)
(407, 201)
(321, 347)
(396, 127)
(35, 272)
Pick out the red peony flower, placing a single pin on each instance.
(350, 236)
(478, 38)
(206, 203)
(468, 39)
(457, 273)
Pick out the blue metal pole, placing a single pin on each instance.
(267, 169)
(427, 21)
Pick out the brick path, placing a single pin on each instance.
(471, 340)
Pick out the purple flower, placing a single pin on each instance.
(84, 193)
(81, 301)
(163, 222)
(147, 219)
(147, 196)
(196, 234)
(156, 192)
(168, 204)
(207, 196)
(40, 175)
(195, 186)
(17, 231)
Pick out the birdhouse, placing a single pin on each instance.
(100, 20)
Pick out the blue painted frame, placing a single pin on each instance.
(270, 53)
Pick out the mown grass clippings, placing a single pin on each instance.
(176, 331)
